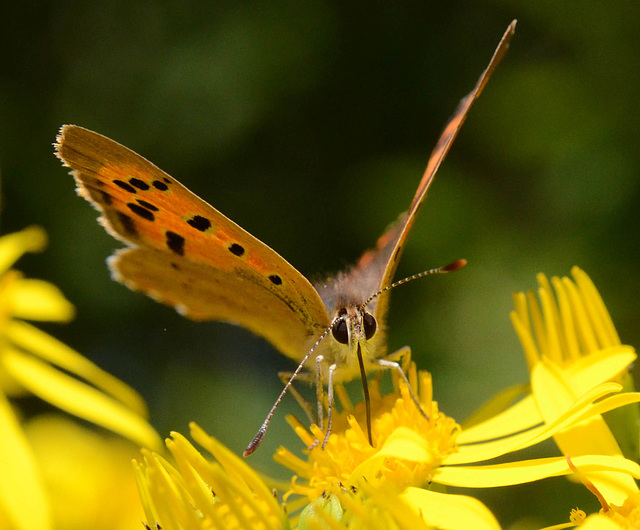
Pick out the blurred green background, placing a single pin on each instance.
(309, 124)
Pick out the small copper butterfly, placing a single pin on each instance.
(183, 252)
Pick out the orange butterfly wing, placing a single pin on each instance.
(185, 253)
(379, 265)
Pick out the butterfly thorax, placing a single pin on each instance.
(353, 323)
(348, 289)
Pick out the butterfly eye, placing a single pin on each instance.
(370, 325)
(340, 332)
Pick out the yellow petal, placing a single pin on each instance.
(554, 389)
(496, 405)
(583, 409)
(87, 473)
(605, 365)
(13, 246)
(521, 416)
(234, 466)
(600, 522)
(38, 300)
(33, 340)
(200, 491)
(594, 303)
(236, 479)
(406, 444)
(172, 507)
(78, 398)
(449, 511)
(22, 491)
(554, 394)
(143, 490)
(522, 325)
(531, 470)
(403, 445)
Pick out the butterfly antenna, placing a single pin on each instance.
(451, 267)
(257, 439)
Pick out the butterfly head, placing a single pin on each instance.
(353, 325)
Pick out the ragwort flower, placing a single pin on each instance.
(227, 494)
(572, 346)
(388, 484)
(411, 451)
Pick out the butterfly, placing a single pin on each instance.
(184, 253)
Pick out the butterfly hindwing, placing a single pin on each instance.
(184, 284)
(187, 254)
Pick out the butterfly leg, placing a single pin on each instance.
(318, 417)
(304, 404)
(390, 362)
(332, 369)
(403, 356)
(319, 391)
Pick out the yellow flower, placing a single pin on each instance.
(411, 451)
(386, 508)
(87, 474)
(32, 362)
(571, 347)
(198, 494)
(352, 484)
(407, 448)
(227, 494)
(195, 493)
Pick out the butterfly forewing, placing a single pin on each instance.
(185, 252)
(385, 257)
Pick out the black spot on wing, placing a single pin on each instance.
(275, 279)
(141, 211)
(199, 223)
(140, 184)
(125, 186)
(175, 242)
(159, 185)
(236, 249)
(147, 205)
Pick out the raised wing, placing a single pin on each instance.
(184, 252)
(385, 257)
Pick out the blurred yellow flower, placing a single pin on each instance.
(87, 474)
(32, 362)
